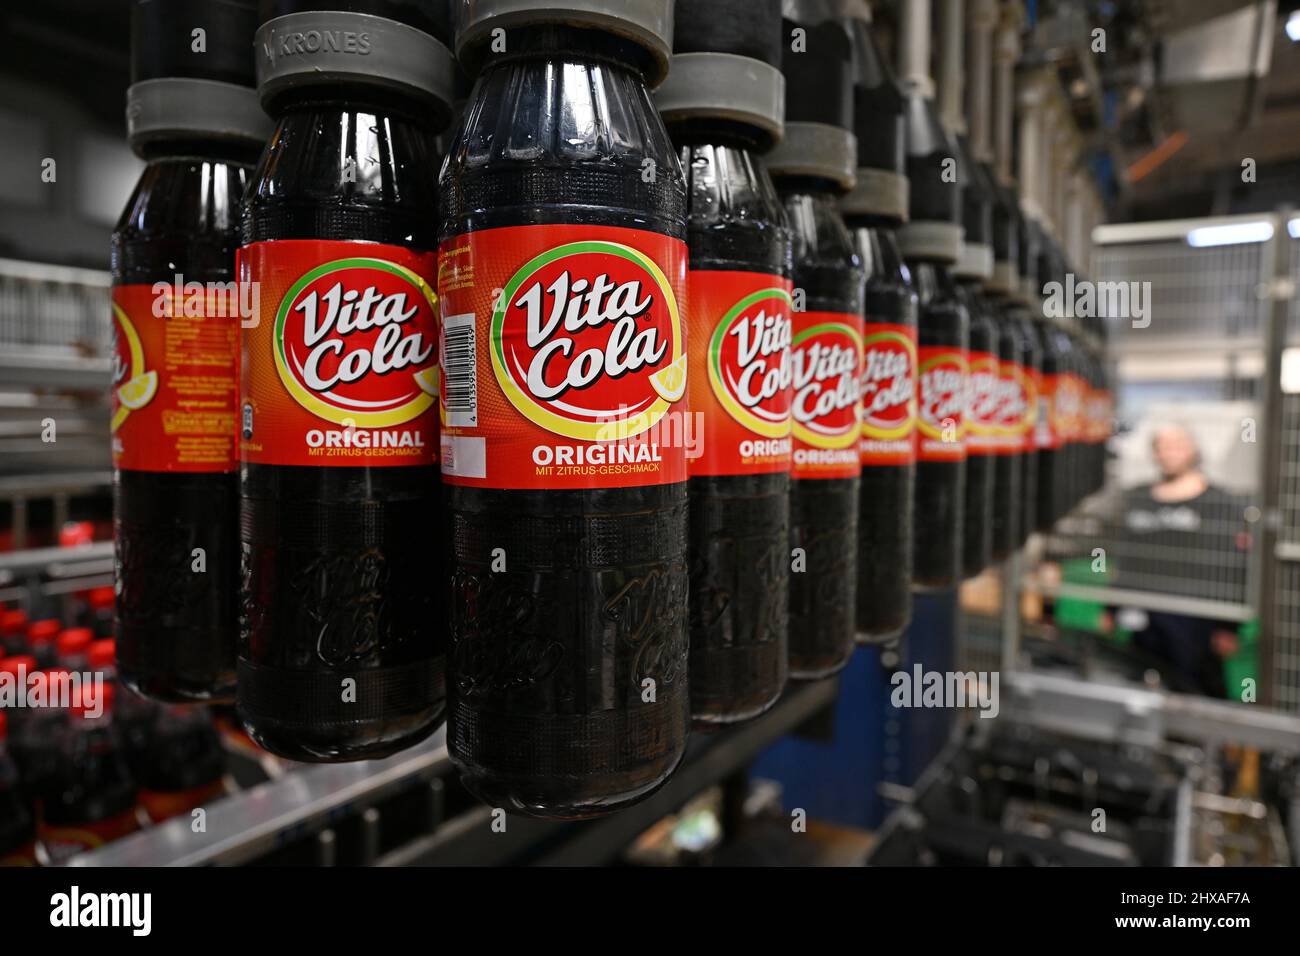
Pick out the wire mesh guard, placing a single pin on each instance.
(53, 308)
(1193, 373)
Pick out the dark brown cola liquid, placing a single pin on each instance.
(341, 574)
(176, 628)
(977, 526)
(1050, 493)
(884, 588)
(823, 512)
(940, 485)
(1031, 358)
(739, 524)
(547, 715)
(1008, 465)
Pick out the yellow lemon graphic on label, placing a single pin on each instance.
(138, 392)
(669, 382)
(429, 379)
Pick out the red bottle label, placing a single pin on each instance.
(941, 390)
(1099, 415)
(1013, 413)
(175, 379)
(1066, 407)
(340, 367)
(826, 355)
(888, 435)
(1047, 436)
(982, 397)
(740, 373)
(564, 353)
(1033, 410)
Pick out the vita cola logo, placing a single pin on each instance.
(888, 386)
(750, 365)
(1012, 403)
(1068, 405)
(943, 393)
(586, 341)
(354, 343)
(983, 392)
(827, 360)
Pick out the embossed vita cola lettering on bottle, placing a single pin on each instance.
(562, 274)
(342, 648)
(875, 208)
(813, 168)
(723, 104)
(194, 117)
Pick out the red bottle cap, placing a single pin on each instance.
(102, 653)
(75, 640)
(101, 599)
(74, 533)
(13, 622)
(44, 631)
(91, 696)
(11, 665)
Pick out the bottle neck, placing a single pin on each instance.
(559, 43)
(873, 222)
(358, 98)
(717, 132)
(238, 153)
(815, 187)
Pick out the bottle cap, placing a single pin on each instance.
(44, 631)
(75, 640)
(930, 240)
(748, 28)
(13, 622)
(816, 149)
(428, 16)
(76, 533)
(198, 39)
(102, 653)
(11, 665)
(819, 141)
(724, 86)
(192, 73)
(882, 186)
(329, 42)
(646, 23)
(92, 696)
(102, 599)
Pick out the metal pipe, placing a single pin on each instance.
(1045, 160)
(982, 18)
(951, 76)
(914, 48)
(1006, 53)
(1281, 290)
(1030, 142)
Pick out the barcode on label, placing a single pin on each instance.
(460, 371)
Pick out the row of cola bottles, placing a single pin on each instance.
(388, 498)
